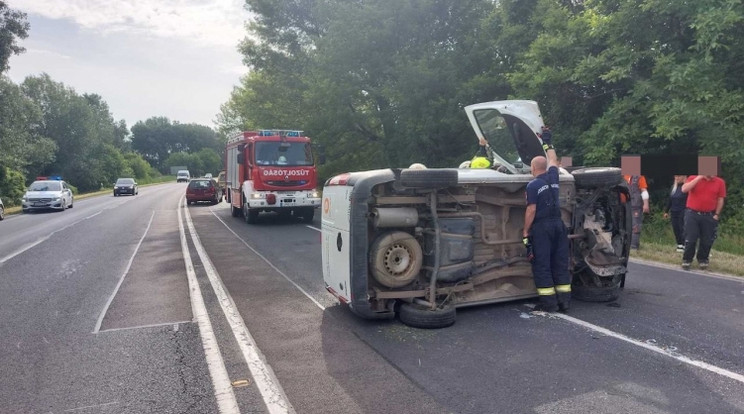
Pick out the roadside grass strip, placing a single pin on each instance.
(264, 377)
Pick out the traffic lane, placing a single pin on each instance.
(51, 297)
(22, 231)
(289, 244)
(323, 367)
(260, 241)
(502, 358)
(696, 315)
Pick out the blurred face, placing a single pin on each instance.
(680, 179)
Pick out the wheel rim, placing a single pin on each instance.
(397, 259)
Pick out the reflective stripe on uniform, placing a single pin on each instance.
(546, 291)
(562, 288)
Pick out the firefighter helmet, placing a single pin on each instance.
(480, 162)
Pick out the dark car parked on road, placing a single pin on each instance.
(2, 210)
(203, 189)
(125, 186)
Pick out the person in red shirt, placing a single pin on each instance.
(705, 197)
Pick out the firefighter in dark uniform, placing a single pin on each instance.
(544, 234)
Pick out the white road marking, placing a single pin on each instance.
(269, 263)
(312, 227)
(121, 279)
(263, 376)
(43, 239)
(174, 325)
(223, 390)
(90, 406)
(651, 347)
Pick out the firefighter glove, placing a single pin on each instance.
(528, 245)
(546, 136)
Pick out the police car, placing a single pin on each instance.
(47, 193)
(420, 243)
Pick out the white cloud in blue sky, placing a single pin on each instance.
(173, 58)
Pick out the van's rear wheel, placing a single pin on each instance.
(421, 316)
(437, 178)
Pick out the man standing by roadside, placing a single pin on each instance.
(705, 198)
(639, 205)
(544, 232)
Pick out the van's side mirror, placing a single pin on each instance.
(241, 158)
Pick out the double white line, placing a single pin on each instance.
(263, 376)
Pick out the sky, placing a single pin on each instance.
(146, 58)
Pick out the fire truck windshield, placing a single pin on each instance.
(292, 154)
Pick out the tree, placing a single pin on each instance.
(157, 138)
(13, 26)
(22, 145)
(83, 130)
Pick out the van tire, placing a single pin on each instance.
(436, 178)
(595, 294)
(395, 259)
(418, 316)
(597, 177)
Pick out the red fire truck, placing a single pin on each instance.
(271, 170)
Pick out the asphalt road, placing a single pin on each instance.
(113, 307)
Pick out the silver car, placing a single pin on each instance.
(47, 194)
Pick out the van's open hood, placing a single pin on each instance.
(519, 118)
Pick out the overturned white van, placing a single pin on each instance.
(423, 242)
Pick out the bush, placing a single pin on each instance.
(12, 186)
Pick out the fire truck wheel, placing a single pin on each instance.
(250, 214)
(420, 316)
(396, 259)
(307, 214)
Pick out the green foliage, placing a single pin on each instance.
(13, 26)
(199, 163)
(157, 138)
(12, 186)
(22, 145)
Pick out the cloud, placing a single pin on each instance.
(204, 22)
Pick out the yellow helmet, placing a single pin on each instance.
(480, 162)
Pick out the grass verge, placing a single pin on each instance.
(720, 262)
(658, 245)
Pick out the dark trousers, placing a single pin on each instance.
(550, 265)
(699, 226)
(678, 225)
(635, 237)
